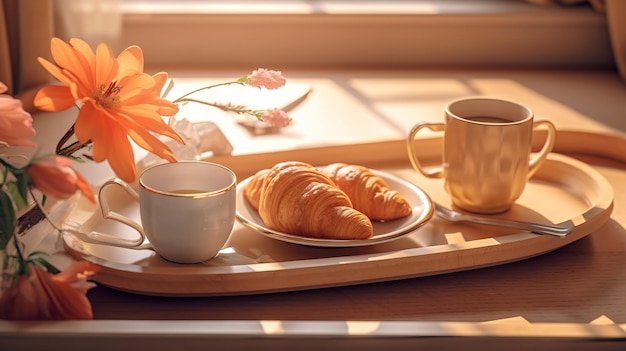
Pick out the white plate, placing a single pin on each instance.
(383, 231)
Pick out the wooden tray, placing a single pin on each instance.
(563, 190)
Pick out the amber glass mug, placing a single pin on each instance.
(487, 157)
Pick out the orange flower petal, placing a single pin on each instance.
(72, 61)
(151, 98)
(138, 101)
(85, 188)
(166, 108)
(55, 71)
(53, 176)
(89, 122)
(93, 124)
(19, 302)
(160, 79)
(110, 141)
(149, 120)
(54, 98)
(152, 144)
(76, 269)
(106, 65)
(62, 299)
(41, 295)
(131, 59)
(136, 86)
(87, 53)
(120, 155)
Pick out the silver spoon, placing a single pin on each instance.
(538, 228)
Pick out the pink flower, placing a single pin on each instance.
(276, 118)
(263, 78)
(16, 125)
(41, 295)
(53, 176)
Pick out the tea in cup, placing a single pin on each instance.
(487, 157)
(187, 210)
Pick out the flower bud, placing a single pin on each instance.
(263, 78)
(54, 177)
(16, 125)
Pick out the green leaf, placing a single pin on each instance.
(18, 199)
(8, 221)
(45, 264)
(18, 188)
(22, 184)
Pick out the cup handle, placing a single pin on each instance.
(436, 172)
(94, 237)
(538, 158)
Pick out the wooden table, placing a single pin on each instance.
(573, 298)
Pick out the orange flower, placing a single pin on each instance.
(53, 176)
(41, 295)
(117, 101)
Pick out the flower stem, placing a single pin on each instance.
(21, 263)
(72, 148)
(182, 98)
(64, 139)
(242, 110)
(67, 151)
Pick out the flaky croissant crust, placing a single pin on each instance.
(297, 198)
(368, 192)
(252, 190)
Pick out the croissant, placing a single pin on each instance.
(300, 200)
(369, 193)
(252, 190)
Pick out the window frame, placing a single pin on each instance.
(492, 34)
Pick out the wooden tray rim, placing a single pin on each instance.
(360, 264)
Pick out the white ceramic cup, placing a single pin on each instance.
(487, 156)
(187, 210)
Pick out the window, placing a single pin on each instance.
(364, 34)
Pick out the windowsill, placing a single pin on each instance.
(354, 7)
(414, 34)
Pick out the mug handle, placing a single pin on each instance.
(538, 159)
(436, 172)
(94, 237)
